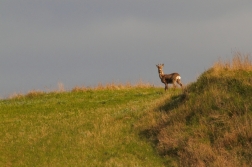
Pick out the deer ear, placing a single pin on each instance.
(162, 64)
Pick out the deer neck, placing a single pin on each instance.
(161, 74)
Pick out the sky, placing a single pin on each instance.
(86, 42)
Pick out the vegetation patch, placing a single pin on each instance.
(82, 127)
(210, 124)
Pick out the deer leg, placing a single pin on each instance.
(166, 86)
(178, 81)
(174, 85)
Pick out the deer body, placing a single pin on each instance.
(168, 78)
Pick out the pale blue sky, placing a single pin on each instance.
(80, 42)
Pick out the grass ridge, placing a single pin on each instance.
(210, 124)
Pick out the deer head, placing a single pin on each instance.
(160, 69)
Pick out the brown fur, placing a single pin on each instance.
(168, 78)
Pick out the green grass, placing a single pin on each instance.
(209, 123)
(78, 128)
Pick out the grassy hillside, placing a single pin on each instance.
(207, 124)
(210, 124)
(83, 127)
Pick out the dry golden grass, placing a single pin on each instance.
(239, 62)
(61, 87)
(30, 94)
(99, 86)
(16, 96)
(34, 93)
(112, 86)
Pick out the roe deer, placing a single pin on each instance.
(168, 78)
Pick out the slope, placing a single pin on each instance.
(210, 124)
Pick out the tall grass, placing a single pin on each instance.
(210, 124)
(113, 86)
(239, 62)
